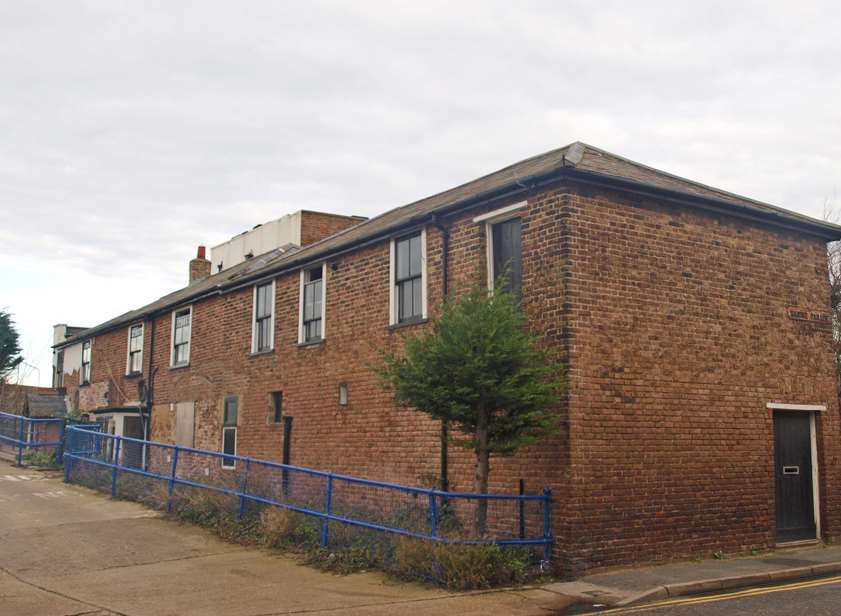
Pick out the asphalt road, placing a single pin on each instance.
(821, 597)
(67, 550)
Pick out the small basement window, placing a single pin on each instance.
(229, 432)
(277, 406)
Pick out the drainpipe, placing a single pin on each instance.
(146, 420)
(445, 284)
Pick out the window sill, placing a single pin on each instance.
(311, 343)
(86, 384)
(261, 353)
(179, 366)
(405, 324)
(134, 375)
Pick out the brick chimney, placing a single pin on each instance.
(199, 267)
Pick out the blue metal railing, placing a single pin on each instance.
(422, 513)
(23, 434)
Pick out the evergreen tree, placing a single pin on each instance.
(10, 356)
(480, 369)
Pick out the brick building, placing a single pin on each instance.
(702, 412)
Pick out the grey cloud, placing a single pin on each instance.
(133, 131)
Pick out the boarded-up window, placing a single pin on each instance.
(184, 423)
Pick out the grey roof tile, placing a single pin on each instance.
(575, 157)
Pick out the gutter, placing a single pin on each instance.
(782, 219)
(294, 265)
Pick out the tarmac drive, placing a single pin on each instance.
(65, 550)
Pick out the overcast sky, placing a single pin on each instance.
(130, 132)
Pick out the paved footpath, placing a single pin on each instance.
(65, 550)
(665, 583)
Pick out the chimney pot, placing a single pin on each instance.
(201, 252)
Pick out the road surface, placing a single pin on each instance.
(817, 597)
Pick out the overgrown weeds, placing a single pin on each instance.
(41, 458)
(463, 567)
(351, 548)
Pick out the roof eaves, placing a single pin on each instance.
(760, 211)
(717, 195)
(571, 157)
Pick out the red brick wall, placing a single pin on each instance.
(316, 226)
(13, 396)
(369, 437)
(680, 336)
(673, 323)
(109, 386)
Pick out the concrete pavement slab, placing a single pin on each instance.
(68, 550)
(17, 597)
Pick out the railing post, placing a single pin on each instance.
(67, 460)
(547, 523)
(433, 514)
(171, 485)
(328, 507)
(116, 467)
(243, 489)
(521, 510)
(59, 452)
(20, 441)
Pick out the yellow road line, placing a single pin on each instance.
(750, 592)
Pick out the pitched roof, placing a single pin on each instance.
(576, 161)
(201, 287)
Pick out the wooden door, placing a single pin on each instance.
(793, 460)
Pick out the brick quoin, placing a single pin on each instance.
(673, 321)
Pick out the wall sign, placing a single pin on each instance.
(811, 318)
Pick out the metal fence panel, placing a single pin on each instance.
(170, 474)
(20, 437)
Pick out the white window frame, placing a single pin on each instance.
(128, 347)
(323, 303)
(392, 284)
(254, 318)
(82, 380)
(172, 363)
(488, 220)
